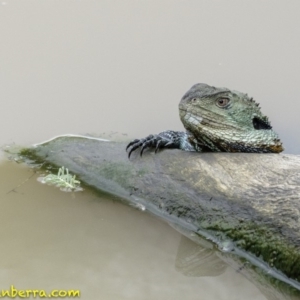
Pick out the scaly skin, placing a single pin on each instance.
(217, 120)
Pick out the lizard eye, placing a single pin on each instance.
(222, 102)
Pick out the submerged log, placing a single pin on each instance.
(247, 204)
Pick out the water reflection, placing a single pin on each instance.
(197, 257)
(56, 240)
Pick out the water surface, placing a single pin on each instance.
(104, 248)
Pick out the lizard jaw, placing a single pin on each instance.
(192, 119)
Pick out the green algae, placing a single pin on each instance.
(264, 243)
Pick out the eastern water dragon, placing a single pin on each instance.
(216, 120)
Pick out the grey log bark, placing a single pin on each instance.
(245, 203)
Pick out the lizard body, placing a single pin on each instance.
(217, 120)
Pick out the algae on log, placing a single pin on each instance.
(245, 203)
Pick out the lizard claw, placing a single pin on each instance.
(131, 143)
(157, 146)
(157, 141)
(143, 143)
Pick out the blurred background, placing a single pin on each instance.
(122, 66)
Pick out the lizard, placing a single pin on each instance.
(216, 120)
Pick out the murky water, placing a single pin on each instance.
(55, 240)
(122, 66)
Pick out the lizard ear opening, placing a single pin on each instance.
(259, 124)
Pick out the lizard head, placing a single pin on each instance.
(223, 120)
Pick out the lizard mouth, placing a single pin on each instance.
(259, 124)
